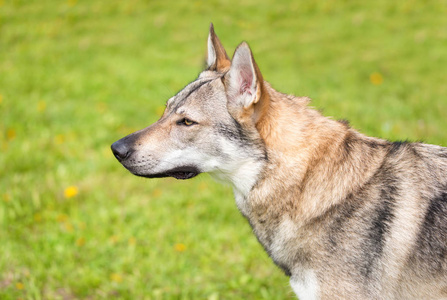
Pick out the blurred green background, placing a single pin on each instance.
(77, 75)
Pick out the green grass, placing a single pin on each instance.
(77, 75)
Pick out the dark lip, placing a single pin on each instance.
(182, 173)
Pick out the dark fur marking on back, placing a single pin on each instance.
(340, 214)
(431, 246)
(344, 122)
(348, 145)
(374, 243)
(396, 147)
(383, 214)
(374, 144)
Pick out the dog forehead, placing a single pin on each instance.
(198, 93)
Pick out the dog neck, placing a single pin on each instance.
(304, 150)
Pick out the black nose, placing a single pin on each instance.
(121, 150)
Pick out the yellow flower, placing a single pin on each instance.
(114, 239)
(80, 242)
(59, 139)
(180, 247)
(41, 106)
(132, 241)
(37, 217)
(6, 197)
(10, 134)
(156, 193)
(69, 227)
(20, 286)
(116, 277)
(376, 78)
(71, 191)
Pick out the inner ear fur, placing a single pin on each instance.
(245, 85)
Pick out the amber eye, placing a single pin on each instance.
(186, 122)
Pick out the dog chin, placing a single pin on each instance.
(183, 173)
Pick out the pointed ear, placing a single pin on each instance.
(218, 59)
(244, 80)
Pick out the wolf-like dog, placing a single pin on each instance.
(344, 215)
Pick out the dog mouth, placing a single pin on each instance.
(182, 173)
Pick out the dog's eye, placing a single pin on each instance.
(186, 122)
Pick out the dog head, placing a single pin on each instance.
(209, 126)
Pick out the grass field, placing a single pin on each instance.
(77, 75)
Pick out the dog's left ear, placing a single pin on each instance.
(244, 83)
(218, 59)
